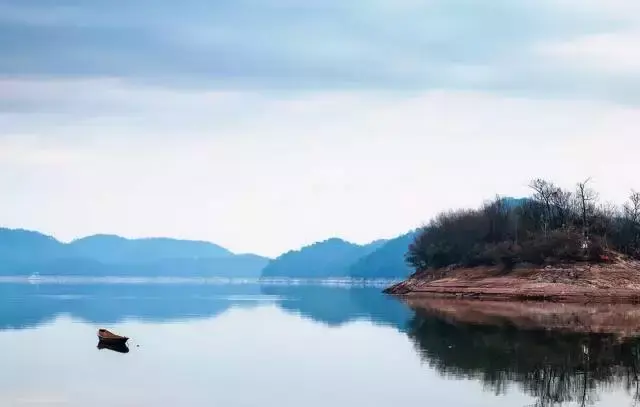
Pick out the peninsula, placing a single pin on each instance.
(555, 245)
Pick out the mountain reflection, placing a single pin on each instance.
(335, 306)
(31, 305)
(555, 366)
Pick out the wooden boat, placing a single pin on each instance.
(108, 336)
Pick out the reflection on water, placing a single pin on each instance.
(120, 347)
(336, 306)
(32, 305)
(555, 366)
(306, 344)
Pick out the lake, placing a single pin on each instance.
(314, 345)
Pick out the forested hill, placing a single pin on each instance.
(554, 225)
(329, 258)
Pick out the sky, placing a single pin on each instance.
(266, 125)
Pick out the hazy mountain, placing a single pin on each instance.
(24, 252)
(19, 244)
(385, 262)
(116, 249)
(329, 258)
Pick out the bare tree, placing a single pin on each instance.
(604, 221)
(585, 197)
(562, 201)
(632, 208)
(545, 192)
(632, 219)
(553, 225)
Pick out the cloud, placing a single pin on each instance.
(614, 53)
(295, 169)
(315, 45)
(264, 125)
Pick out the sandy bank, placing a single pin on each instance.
(618, 282)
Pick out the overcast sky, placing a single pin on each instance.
(265, 125)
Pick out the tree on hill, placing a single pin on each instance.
(553, 225)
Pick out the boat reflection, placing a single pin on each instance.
(120, 347)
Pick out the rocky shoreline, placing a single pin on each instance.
(617, 282)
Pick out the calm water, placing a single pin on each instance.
(287, 345)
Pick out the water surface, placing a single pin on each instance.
(249, 344)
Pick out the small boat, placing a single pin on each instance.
(107, 336)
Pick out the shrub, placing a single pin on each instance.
(551, 226)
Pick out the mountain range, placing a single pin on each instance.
(24, 252)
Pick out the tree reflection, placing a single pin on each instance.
(554, 366)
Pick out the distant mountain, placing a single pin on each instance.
(329, 258)
(19, 244)
(385, 262)
(116, 249)
(25, 252)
